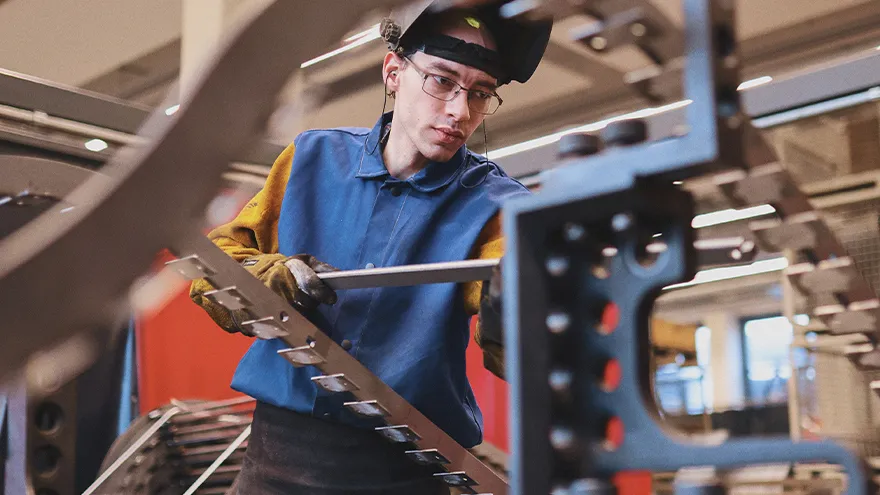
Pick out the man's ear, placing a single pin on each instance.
(391, 69)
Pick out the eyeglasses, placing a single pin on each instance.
(446, 89)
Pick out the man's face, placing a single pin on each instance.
(437, 128)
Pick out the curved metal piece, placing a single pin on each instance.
(152, 430)
(162, 186)
(42, 176)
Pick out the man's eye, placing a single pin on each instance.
(442, 81)
(481, 95)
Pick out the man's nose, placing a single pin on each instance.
(459, 107)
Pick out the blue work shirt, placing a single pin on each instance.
(342, 206)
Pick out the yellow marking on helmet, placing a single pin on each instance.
(473, 22)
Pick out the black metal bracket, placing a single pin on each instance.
(579, 287)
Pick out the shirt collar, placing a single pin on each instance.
(435, 174)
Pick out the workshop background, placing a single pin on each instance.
(727, 355)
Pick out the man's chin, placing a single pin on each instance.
(440, 153)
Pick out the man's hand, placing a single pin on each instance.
(293, 277)
(490, 330)
(490, 309)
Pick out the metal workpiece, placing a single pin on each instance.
(308, 345)
(99, 250)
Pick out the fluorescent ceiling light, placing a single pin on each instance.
(730, 215)
(730, 272)
(96, 145)
(355, 41)
(595, 126)
(367, 32)
(172, 110)
(751, 83)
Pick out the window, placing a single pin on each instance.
(686, 389)
(766, 349)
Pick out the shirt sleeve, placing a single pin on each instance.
(254, 231)
(489, 245)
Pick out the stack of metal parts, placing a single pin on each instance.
(197, 448)
(194, 448)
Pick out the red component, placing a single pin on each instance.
(614, 433)
(633, 483)
(610, 318)
(611, 375)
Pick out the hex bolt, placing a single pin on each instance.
(578, 144)
(558, 322)
(556, 265)
(560, 380)
(625, 132)
(574, 232)
(563, 439)
(621, 222)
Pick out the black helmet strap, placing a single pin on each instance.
(457, 50)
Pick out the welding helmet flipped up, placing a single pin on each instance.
(520, 46)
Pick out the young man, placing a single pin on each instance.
(406, 191)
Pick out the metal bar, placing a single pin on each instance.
(710, 251)
(226, 453)
(67, 102)
(395, 276)
(820, 83)
(209, 427)
(57, 123)
(195, 409)
(131, 450)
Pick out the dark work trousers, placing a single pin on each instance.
(291, 453)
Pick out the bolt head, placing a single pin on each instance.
(621, 222)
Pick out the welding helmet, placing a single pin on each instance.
(520, 46)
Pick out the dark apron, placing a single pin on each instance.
(292, 453)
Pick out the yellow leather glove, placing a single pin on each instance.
(490, 324)
(292, 277)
